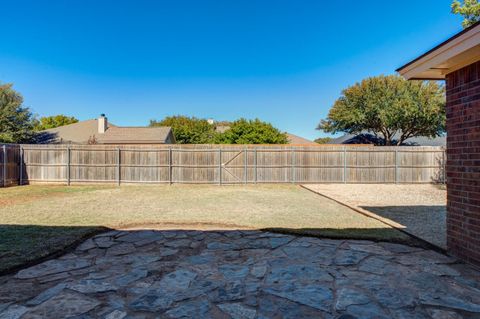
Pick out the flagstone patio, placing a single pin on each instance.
(241, 274)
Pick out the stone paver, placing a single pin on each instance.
(241, 274)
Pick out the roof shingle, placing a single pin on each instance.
(143, 135)
(85, 131)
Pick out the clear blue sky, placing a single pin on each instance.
(281, 61)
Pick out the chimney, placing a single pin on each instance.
(102, 124)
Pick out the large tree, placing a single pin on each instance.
(390, 107)
(188, 130)
(47, 122)
(16, 124)
(255, 131)
(468, 9)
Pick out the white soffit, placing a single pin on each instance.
(455, 53)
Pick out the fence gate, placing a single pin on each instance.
(234, 166)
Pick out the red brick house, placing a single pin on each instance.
(457, 61)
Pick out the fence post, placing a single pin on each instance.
(344, 164)
(396, 166)
(246, 165)
(220, 166)
(20, 173)
(170, 158)
(255, 164)
(68, 165)
(4, 147)
(293, 164)
(118, 167)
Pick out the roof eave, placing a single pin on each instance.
(455, 53)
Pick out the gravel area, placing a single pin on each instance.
(418, 209)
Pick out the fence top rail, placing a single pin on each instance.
(146, 150)
(232, 148)
(14, 146)
(216, 146)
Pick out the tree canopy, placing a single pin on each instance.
(16, 125)
(188, 130)
(468, 9)
(245, 131)
(389, 106)
(192, 130)
(323, 140)
(47, 122)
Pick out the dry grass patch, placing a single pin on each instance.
(31, 216)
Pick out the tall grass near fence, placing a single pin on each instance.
(219, 164)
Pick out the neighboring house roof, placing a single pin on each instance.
(85, 131)
(135, 135)
(453, 54)
(295, 139)
(367, 138)
(76, 133)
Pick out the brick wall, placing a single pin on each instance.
(463, 163)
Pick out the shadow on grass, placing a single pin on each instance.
(25, 245)
(427, 222)
(423, 223)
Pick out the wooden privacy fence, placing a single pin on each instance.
(220, 164)
(9, 165)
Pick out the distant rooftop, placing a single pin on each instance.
(138, 135)
(368, 138)
(101, 132)
(295, 139)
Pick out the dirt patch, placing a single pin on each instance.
(183, 226)
(26, 198)
(27, 194)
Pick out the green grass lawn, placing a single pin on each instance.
(36, 221)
